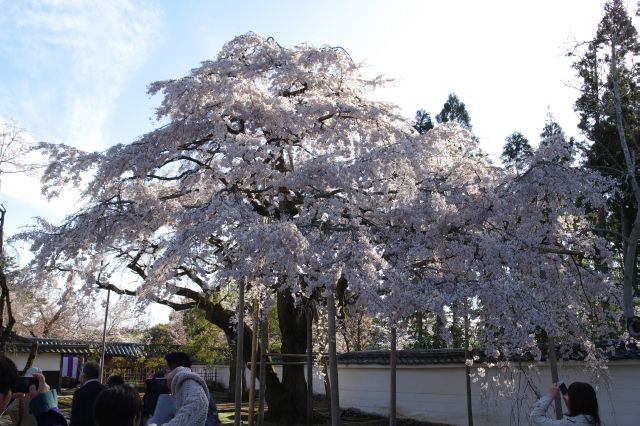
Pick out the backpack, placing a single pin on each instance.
(212, 414)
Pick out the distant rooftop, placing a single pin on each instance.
(456, 356)
(22, 344)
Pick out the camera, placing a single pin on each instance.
(23, 383)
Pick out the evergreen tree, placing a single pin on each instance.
(606, 65)
(456, 111)
(423, 122)
(516, 150)
(551, 131)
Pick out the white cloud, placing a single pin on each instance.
(69, 63)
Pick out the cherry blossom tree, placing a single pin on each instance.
(254, 176)
(518, 247)
(14, 148)
(274, 168)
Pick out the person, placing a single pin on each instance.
(85, 396)
(190, 394)
(115, 380)
(118, 405)
(581, 402)
(43, 401)
(152, 394)
(19, 410)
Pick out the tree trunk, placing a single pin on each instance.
(325, 381)
(292, 321)
(274, 394)
(634, 234)
(33, 352)
(5, 296)
(232, 368)
(359, 332)
(333, 361)
(309, 365)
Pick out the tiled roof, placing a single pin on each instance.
(456, 356)
(135, 350)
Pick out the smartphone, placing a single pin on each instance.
(563, 388)
(23, 383)
(158, 385)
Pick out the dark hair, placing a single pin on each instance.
(177, 359)
(91, 370)
(117, 406)
(8, 374)
(583, 400)
(115, 380)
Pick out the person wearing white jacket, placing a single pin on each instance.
(581, 401)
(191, 396)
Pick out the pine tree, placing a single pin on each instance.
(609, 107)
(551, 131)
(516, 150)
(454, 110)
(423, 122)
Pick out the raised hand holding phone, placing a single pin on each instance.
(563, 388)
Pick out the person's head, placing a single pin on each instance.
(581, 399)
(8, 377)
(115, 380)
(177, 359)
(118, 406)
(90, 370)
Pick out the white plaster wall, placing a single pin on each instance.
(222, 375)
(47, 362)
(438, 393)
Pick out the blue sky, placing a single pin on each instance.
(76, 71)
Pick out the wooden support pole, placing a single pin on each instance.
(467, 369)
(264, 349)
(309, 365)
(392, 378)
(553, 364)
(239, 356)
(254, 351)
(333, 361)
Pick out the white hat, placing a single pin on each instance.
(32, 370)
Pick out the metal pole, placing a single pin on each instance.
(104, 336)
(309, 365)
(392, 378)
(239, 356)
